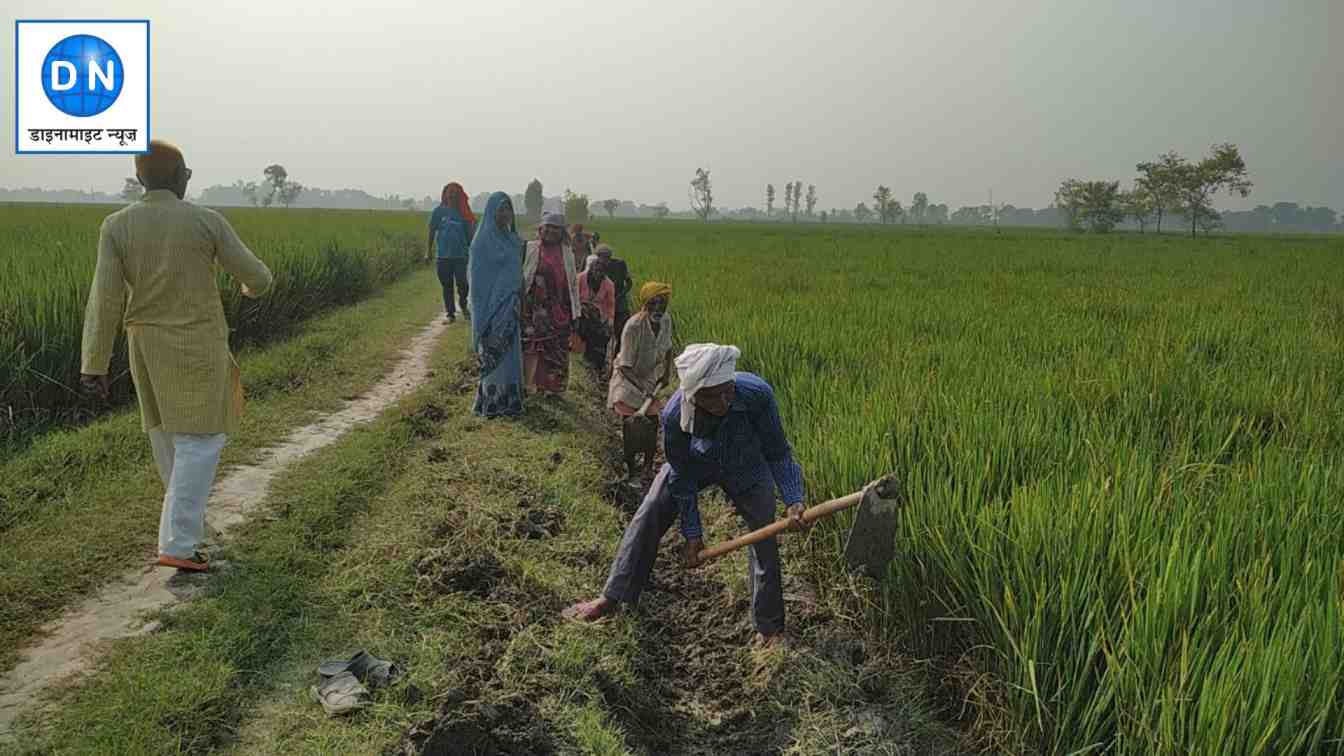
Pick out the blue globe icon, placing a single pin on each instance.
(82, 75)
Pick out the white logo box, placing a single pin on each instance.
(42, 129)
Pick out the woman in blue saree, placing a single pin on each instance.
(495, 274)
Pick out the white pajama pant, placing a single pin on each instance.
(187, 463)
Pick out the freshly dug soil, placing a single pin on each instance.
(448, 571)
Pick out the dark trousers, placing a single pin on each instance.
(639, 547)
(618, 328)
(453, 270)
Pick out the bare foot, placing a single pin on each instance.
(591, 611)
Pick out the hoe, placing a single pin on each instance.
(871, 542)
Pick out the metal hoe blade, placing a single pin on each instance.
(871, 544)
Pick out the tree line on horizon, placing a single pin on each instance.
(1169, 184)
(1167, 188)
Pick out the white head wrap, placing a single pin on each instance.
(702, 365)
(553, 219)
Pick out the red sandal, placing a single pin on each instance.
(197, 563)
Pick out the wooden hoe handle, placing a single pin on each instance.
(778, 526)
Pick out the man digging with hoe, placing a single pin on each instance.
(720, 428)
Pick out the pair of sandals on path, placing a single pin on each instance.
(346, 683)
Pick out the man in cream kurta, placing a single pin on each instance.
(156, 274)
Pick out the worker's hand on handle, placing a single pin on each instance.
(690, 552)
(797, 522)
(98, 385)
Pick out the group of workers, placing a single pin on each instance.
(530, 304)
(536, 302)
(572, 295)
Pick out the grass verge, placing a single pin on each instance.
(450, 544)
(79, 507)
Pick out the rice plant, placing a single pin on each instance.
(320, 258)
(1123, 455)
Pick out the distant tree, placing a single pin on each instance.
(797, 198)
(769, 200)
(938, 214)
(862, 213)
(408, 203)
(897, 212)
(533, 199)
(1197, 183)
(823, 216)
(131, 190)
(1069, 199)
(1285, 215)
(1259, 219)
(919, 206)
(249, 191)
(971, 215)
(276, 175)
(289, 192)
(882, 202)
(660, 211)
(811, 198)
(576, 207)
(1320, 218)
(1138, 204)
(1094, 204)
(702, 194)
(788, 198)
(275, 178)
(610, 206)
(1158, 179)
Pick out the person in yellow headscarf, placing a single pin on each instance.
(641, 368)
(157, 260)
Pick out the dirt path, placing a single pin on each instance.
(689, 683)
(70, 643)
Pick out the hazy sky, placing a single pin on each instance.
(626, 97)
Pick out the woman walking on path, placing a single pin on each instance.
(597, 309)
(495, 268)
(643, 364)
(452, 224)
(550, 307)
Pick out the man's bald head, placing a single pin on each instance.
(163, 167)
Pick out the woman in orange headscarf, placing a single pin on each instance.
(453, 223)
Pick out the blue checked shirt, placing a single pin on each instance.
(747, 448)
